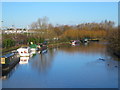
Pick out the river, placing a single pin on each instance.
(66, 67)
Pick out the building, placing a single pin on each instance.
(12, 30)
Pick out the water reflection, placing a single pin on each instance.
(70, 67)
(87, 48)
(7, 74)
(86, 43)
(111, 61)
(24, 60)
(43, 61)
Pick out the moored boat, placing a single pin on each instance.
(24, 51)
(94, 39)
(8, 61)
(33, 48)
(75, 42)
(42, 48)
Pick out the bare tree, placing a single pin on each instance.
(43, 23)
(34, 25)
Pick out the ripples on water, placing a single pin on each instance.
(66, 67)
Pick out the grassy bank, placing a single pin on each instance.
(50, 45)
(7, 50)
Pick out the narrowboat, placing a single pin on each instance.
(24, 51)
(75, 42)
(94, 39)
(84, 40)
(33, 48)
(42, 48)
(8, 61)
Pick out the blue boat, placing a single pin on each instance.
(8, 61)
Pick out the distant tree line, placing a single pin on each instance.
(67, 32)
(43, 30)
(114, 41)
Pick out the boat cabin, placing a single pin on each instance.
(75, 42)
(24, 51)
(6, 59)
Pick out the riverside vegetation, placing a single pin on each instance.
(44, 31)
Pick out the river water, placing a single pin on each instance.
(66, 67)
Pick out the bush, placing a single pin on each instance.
(35, 40)
(8, 43)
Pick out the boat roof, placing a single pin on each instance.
(23, 48)
(33, 46)
(7, 55)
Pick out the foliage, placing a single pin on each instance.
(8, 43)
(78, 34)
(41, 30)
(35, 40)
(113, 39)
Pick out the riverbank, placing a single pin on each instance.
(58, 44)
(113, 51)
(7, 50)
(50, 45)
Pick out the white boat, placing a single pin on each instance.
(44, 51)
(33, 50)
(24, 51)
(24, 60)
(75, 42)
